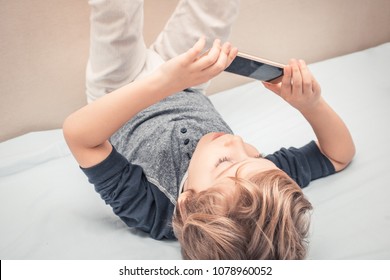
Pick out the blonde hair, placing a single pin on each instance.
(265, 217)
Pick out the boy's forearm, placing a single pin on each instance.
(95, 123)
(334, 138)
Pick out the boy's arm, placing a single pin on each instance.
(87, 130)
(300, 89)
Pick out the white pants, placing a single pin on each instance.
(118, 54)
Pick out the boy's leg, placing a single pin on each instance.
(193, 19)
(117, 50)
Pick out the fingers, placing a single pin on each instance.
(193, 53)
(297, 78)
(225, 58)
(284, 88)
(298, 86)
(203, 65)
(231, 53)
(276, 88)
(286, 81)
(210, 57)
(307, 78)
(217, 58)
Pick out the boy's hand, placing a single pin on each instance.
(302, 91)
(298, 87)
(192, 67)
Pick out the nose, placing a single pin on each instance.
(237, 147)
(236, 143)
(234, 140)
(237, 140)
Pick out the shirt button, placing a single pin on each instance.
(186, 141)
(183, 130)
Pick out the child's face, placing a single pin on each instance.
(218, 156)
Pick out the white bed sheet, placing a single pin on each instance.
(48, 210)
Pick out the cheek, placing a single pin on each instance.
(203, 153)
(196, 166)
(200, 171)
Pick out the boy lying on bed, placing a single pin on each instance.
(159, 153)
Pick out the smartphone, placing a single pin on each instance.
(256, 68)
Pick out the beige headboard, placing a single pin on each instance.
(44, 47)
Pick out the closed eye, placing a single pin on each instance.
(221, 160)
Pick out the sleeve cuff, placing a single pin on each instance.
(113, 164)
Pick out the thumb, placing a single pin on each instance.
(273, 87)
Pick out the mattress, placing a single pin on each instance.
(48, 210)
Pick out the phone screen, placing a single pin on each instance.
(254, 69)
